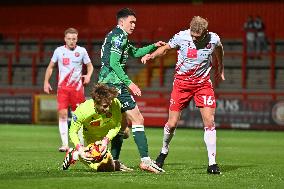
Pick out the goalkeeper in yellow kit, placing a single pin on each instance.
(100, 118)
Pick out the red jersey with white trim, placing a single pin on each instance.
(70, 65)
(193, 65)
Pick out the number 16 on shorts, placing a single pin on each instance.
(209, 101)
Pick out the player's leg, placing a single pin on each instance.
(63, 129)
(71, 157)
(207, 114)
(180, 98)
(116, 144)
(205, 100)
(62, 100)
(169, 132)
(138, 132)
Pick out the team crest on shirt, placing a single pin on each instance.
(74, 117)
(208, 46)
(117, 42)
(77, 54)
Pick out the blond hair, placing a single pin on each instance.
(198, 25)
(71, 30)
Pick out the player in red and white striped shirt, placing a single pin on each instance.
(196, 48)
(70, 92)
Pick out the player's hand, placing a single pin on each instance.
(82, 152)
(219, 76)
(145, 58)
(47, 88)
(160, 43)
(135, 89)
(86, 79)
(126, 133)
(223, 76)
(103, 148)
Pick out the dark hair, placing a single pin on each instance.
(124, 13)
(102, 93)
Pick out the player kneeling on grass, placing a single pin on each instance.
(100, 118)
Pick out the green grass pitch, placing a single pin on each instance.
(248, 159)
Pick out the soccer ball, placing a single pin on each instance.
(93, 150)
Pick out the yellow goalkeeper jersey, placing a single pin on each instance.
(95, 126)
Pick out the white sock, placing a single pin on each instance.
(75, 155)
(167, 139)
(63, 129)
(145, 159)
(210, 141)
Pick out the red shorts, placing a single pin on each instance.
(69, 97)
(183, 92)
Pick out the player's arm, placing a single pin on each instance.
(113, 132)
(219, 54)
(76, 124)
(88, 76)
(139, 52)
(116, 66)
(78, 117)
(159, 52)
(110, 135)
(116, 119)
(89, 65)
(47, 88)
(117, 46)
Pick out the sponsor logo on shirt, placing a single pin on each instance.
(208, 46)
(204, 53)
(191, 53)
(66, 61)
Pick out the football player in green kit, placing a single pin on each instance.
(114, 53)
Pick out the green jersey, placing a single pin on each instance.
(95, 126)
(114, 54)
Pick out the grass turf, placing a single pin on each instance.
(248, 159)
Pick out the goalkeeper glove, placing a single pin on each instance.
(82, 152)
(103, 148)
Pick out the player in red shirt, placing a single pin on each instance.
(196, 48)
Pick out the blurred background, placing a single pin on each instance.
(252, 33)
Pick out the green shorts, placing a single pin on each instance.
(126, 99)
